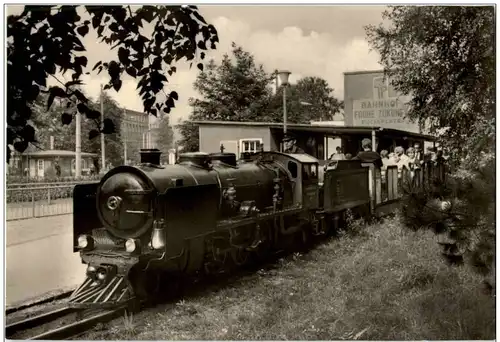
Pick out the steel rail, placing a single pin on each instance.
(62, 295)
(79, 327)
(35, 321)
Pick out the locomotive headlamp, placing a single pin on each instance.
(231, 192)
(91, 272)
(132, 246)
(85, 242)
(101, 274)
(158, 235)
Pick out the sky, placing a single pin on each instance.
(322, 41)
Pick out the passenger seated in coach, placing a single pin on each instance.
(367, 155)
(338, 155)
(386, 161)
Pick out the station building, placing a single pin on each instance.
(373, 109)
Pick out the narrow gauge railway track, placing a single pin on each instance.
(59, 296)
(44, 326)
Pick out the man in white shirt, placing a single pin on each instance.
(339, 155)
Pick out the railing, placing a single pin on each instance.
(390, 182)
(16, 179)
(28, 200)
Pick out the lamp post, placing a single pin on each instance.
(103, 152)
(284, 82)
(125, 136)
(78, 146)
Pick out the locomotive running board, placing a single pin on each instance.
(94, 293)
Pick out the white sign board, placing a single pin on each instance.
(384, 112)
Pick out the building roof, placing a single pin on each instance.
(329, 123)
(360, 72)
(322, 128)
(134, 112)
(57, 153)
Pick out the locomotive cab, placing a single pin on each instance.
(305, 170)
(303, 174)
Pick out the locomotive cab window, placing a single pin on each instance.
(309, 172)
(292, 167)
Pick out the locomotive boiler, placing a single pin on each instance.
(143, 222)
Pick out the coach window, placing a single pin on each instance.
(314, 171)
(309, 172)
(292, 167)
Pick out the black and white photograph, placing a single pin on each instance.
(250, 171)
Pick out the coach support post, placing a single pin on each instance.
(374, 148)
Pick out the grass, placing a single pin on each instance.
(377, 282)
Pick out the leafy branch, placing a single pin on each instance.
(43, 42)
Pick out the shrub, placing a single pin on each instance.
(461, 211)
(61, 187)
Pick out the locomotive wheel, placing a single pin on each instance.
(145, 284)
(302, 239)
(326, 226)
(306, 236)
(217, 263)
(239, 256)
(170, 285)
(263, 251)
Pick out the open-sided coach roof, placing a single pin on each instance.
(326, 129)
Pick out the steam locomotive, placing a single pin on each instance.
(143, 222)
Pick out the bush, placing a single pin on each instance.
(461, 211)
(19, 195)
(61, 187)
(16, 179)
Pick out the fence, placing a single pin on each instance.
(28, 200)
(18, 179)
(389, 183)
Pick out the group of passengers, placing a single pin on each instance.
(411, 160)
(338, 155)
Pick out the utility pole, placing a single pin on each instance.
(78, 146)
(284, 110)
(149, 131)
(284, 75)
(103, 152)
(125, 134)
(277, 82)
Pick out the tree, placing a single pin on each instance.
(444, 57)
(190, 139)
(461, 211)
(46, 124)
(164, 135)
(45, 40)
(113, 142)
(310, 99)
(236, 90)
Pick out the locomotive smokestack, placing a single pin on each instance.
(150, 156)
